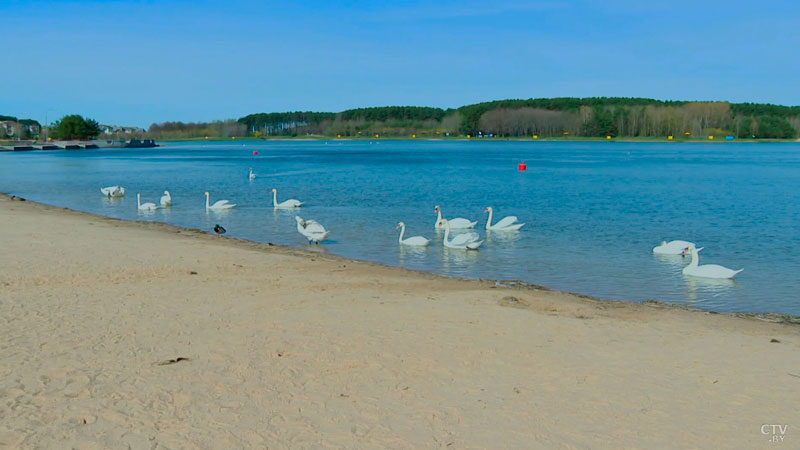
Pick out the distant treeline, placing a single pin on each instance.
(546, 117)
(390, 120)
(180, 130)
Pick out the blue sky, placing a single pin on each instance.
(139, 62)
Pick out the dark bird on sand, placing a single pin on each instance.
(219, 230)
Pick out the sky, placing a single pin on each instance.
(134, 63)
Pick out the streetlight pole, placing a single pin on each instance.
(46, 124)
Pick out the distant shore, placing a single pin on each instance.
(145, 334)
(91, 144)
(476, 139)
(37, 145)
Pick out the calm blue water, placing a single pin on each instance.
(593, 210)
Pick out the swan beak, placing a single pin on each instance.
(486, 210)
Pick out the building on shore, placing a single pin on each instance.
(114, 129)
(22, 129)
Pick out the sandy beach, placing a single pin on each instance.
(117, 335)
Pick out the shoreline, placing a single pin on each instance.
(31, 146)
(774, 317)
(120, 334)
(477, 139)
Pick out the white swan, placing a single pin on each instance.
(286, 204)
(417, 241)
(252, 174)
(707, 270)
(673, 247)
(504, 224)
(458, 222)
(166, 200)
(113, 191)
(219, 204)
(466, 241)
(311, 230)
(144, 206)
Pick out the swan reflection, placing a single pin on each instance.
(457, 261)
(502, 237)
(712, 286)
(412, 253)
(676, 262)
(109, 202)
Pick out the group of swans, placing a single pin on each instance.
(119, 191)
(286, 204)
(165, 202)
(464, 241)
(694, 269)
(219, 205)
(505, 224)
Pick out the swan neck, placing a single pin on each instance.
(208, 197)
(402, 232)
(274, 198)
(446, 232)
(438, 217)
(489, 220)
(695, 258)
(138, 200)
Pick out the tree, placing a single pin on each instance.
(775, 127)
(598, 121)
(75, 126)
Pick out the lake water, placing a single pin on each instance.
(593, 211)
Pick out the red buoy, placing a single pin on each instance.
(522, 167)
(255, 152)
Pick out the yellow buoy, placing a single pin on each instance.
(608, 138)
(413, 136)
(669, 138)
(710, 138)
(686, 133)
(565, 133)
(468, 136)
(338, 136)
(536, 136)
(377, 135)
